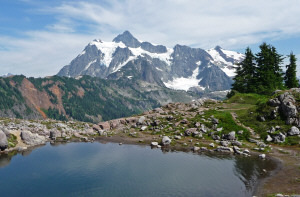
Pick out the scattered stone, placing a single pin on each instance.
(230, 136)
(269, 138)
(224, 143)
(212, 145)
(203, 148)
(240, 132)
(293, 131)
(143, 128)
(166, 141)
(262, 156)
(196, 148)
(154, 144)
(246, 151)
(177, 137)
(190, 131)
(141, 120)
(120, 143)
(216, 137)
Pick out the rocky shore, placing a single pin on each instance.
(176, 125)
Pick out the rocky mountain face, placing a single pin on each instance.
(179, 68)
(86, 98)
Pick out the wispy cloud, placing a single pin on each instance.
(231, 24)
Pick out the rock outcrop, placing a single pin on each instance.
(3, 141)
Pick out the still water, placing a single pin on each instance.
(96, 169)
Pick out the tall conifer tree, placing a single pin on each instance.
(290, 74)
(245, 79)
(269, 72)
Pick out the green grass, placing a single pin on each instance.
(12, 141)
(225, 121)
(249, 98)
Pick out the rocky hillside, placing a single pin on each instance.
(85, 98)
(180, 68)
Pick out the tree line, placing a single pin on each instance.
(262, 73)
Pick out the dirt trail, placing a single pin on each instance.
(17, 133)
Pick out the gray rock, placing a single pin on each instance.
(177, 137)
(262, 156)
(215, 121)
(279, 138)
(216, 137)
(274, 102)
(190, 131)
(269, 138)
(293, 131)
(230, 136)
(196, 148)
(141, 120)
(32, 139)
(166, 141)
(3, 141)
(236, 143)
(143, 128)
(224, 143)
(224, 149)
(212, 145)
(154, 144)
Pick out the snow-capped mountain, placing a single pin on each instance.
(181, 67)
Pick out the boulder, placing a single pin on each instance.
(230, 136)
(293, 131)
(141, 120)
(3, 141)
(279, 138)
(166, 141)
(32, 139)
(96, 127)
(104, 125)
(154, 143)
(212, 145)
(53, 135)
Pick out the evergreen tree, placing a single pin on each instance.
(290, 74)
(269, 72)
(245, 79)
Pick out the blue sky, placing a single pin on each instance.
(39, 37)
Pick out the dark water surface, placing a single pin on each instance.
(95, 169)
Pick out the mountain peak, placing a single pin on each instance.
(128, 39)
(218, 48)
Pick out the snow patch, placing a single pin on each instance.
(184, 83)
(108, 49)
(89, 64)
(198, 63)
(158, 69)
(166, 57)
(230, 72)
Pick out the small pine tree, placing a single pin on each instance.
(290, 74)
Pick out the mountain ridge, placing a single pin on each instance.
(173, 66)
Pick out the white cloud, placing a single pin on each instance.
(231, 24)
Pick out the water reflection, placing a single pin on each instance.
(95, 169)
